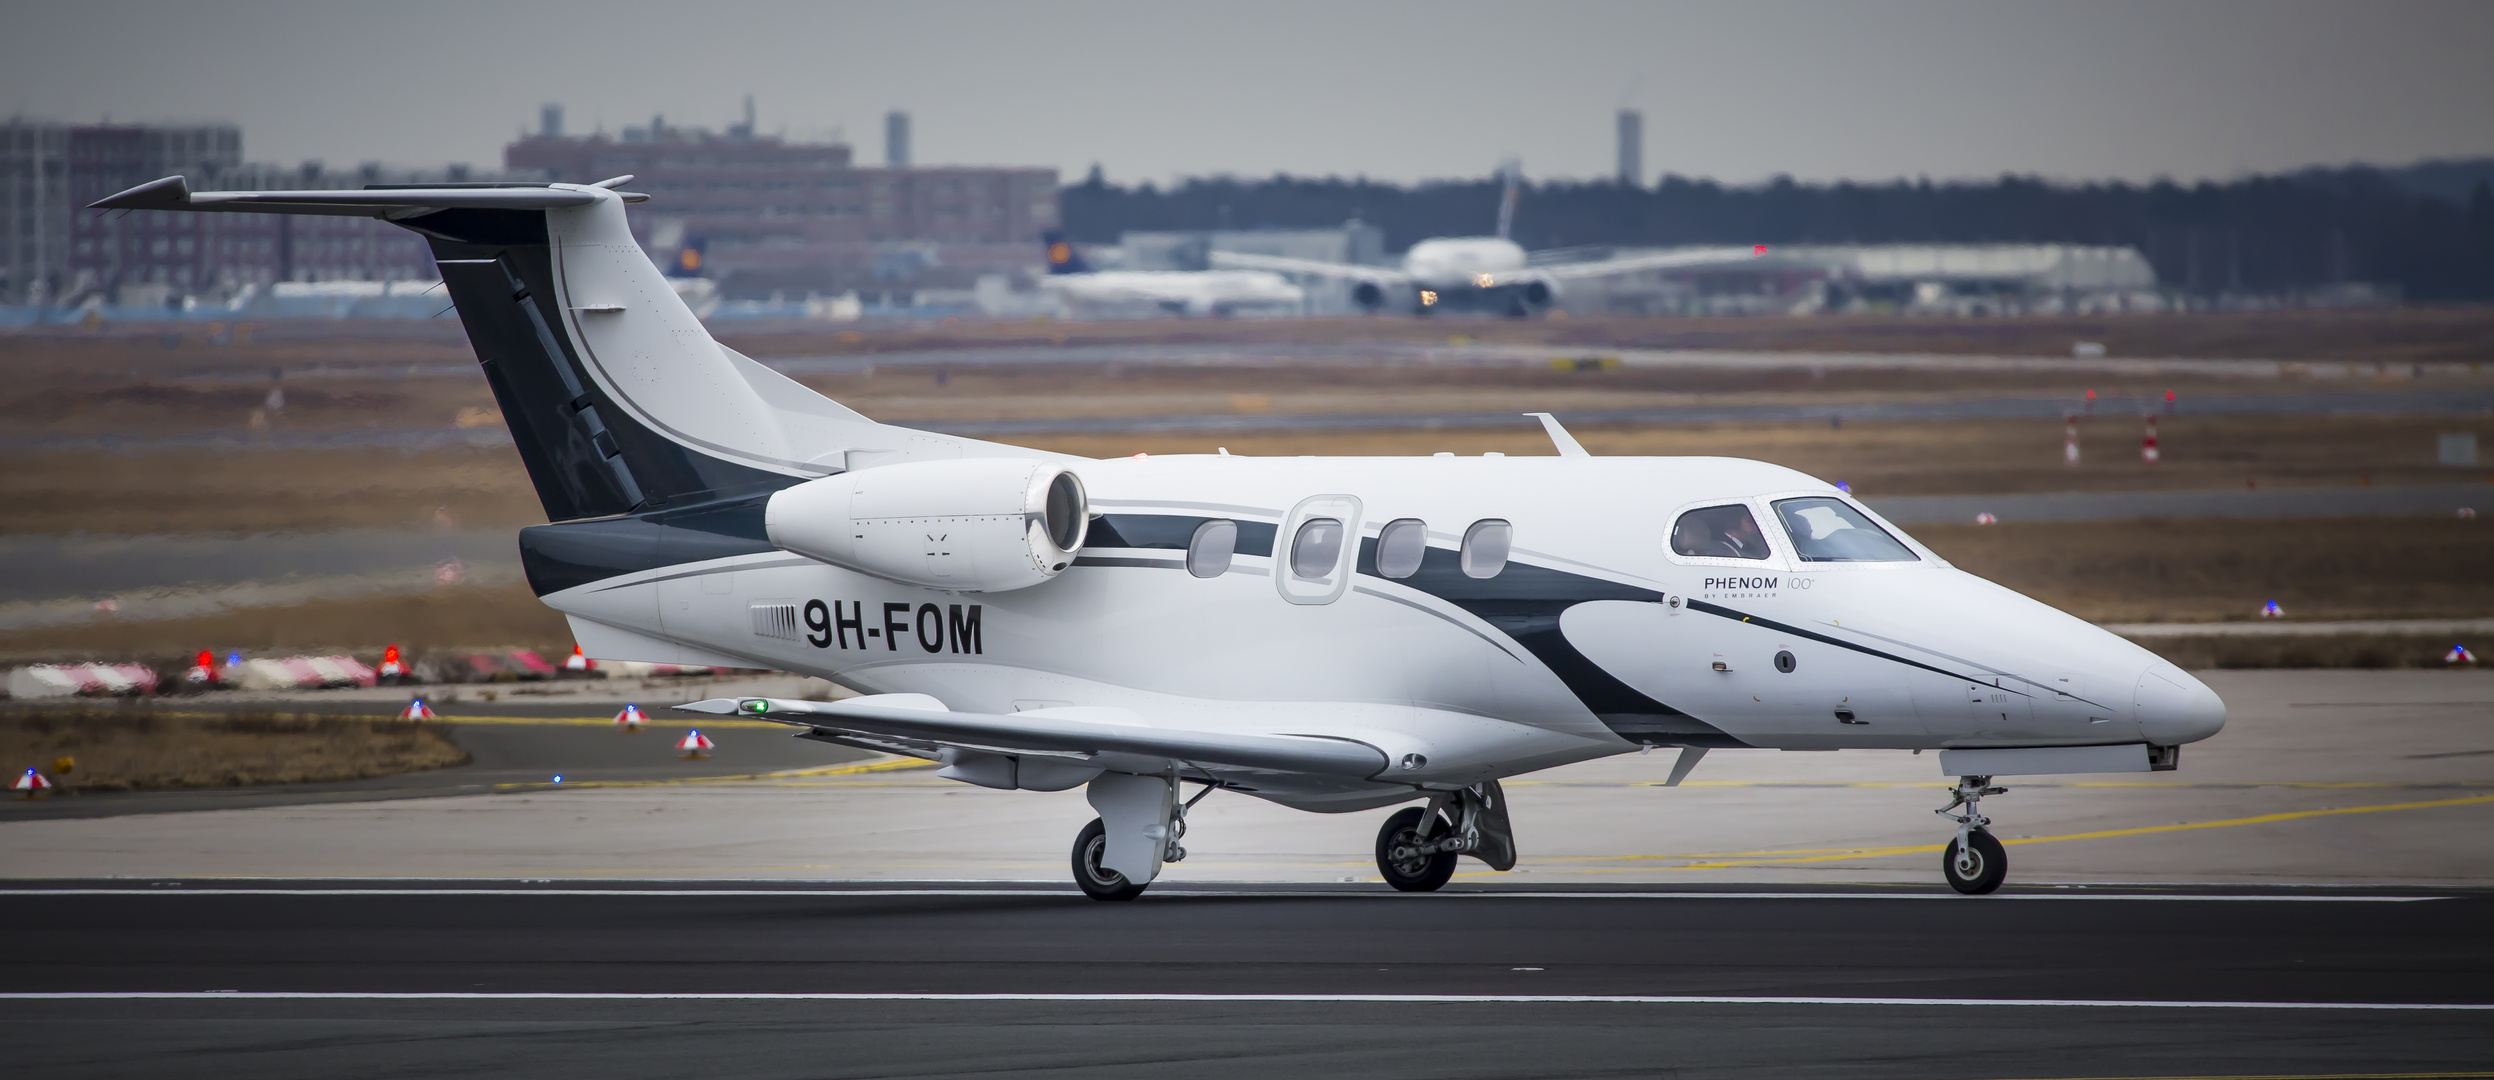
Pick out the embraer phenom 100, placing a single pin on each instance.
(1331, 634)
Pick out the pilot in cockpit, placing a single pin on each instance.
(1723, 532)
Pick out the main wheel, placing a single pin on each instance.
(1413, 873)
(1099, 882)
(1984, 868)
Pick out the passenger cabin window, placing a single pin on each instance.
(1485, 547)
(1208, 551)
(1719, 532)
(1317, 548)
(1400, 546)
(1831, 530)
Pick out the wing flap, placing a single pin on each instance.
(1053, 731)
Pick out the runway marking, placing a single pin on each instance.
(1219, 999)
(2296, 1076)
(1728, 860)
(1067, 894)
(1936, 785)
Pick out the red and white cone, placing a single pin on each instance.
(416, 710)
(393, 668)
(2069, 442)
(2459, 654)
(1986, 518)
(203, 671)
(33, 785)
(578, 663)
(695, 745)
(629, 719)
(2271, 610)
(2147, 443)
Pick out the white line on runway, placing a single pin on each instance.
(1219, 999)
(1240, 894)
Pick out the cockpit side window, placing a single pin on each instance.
(1719, 532)
(1831, 530)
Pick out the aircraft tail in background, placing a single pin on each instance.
(1062, 258)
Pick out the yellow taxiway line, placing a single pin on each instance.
(1728, 860)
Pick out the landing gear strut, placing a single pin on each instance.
(1974, 862)
(1416, 848)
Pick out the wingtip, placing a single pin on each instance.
(170, 193)
(717, 706)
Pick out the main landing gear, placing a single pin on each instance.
(1417, 847)
(1974, 862)
(1149, 821)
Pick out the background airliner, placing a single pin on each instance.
(1477, 273)
(1179, 292)
(1331, 634)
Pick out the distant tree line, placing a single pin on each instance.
(2266, 234)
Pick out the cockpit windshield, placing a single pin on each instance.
(1831, 530)
(1720, 532)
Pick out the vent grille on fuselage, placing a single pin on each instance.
(775, 619)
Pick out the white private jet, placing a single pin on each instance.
(1478, 273)
(1330, 634)
(1178, 292)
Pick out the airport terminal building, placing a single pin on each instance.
(1919, 279)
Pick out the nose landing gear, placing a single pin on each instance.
(1974, 862)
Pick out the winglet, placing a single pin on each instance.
(170, 193)
(1567, 444)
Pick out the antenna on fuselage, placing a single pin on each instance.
(1513, 171)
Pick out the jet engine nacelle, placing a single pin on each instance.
(1368, 296)
(970, 524)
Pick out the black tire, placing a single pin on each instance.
(1099, 882)
(1420, 874)
(1991, 866)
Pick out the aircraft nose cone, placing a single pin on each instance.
(2174, 708)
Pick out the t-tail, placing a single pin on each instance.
(1062, 258)
(620, 402)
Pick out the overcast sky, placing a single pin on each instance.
(1396, 91)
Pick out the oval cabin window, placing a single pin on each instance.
(1208, 551)
(1317, 549)
(1400, 547)
(1485, 547)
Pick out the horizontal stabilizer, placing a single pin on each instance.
(174, 193)
(908, 716)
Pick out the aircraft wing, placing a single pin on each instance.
(1685, 259)
(918, 717)
(1374, 275)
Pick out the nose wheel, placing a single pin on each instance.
(1974, 863)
